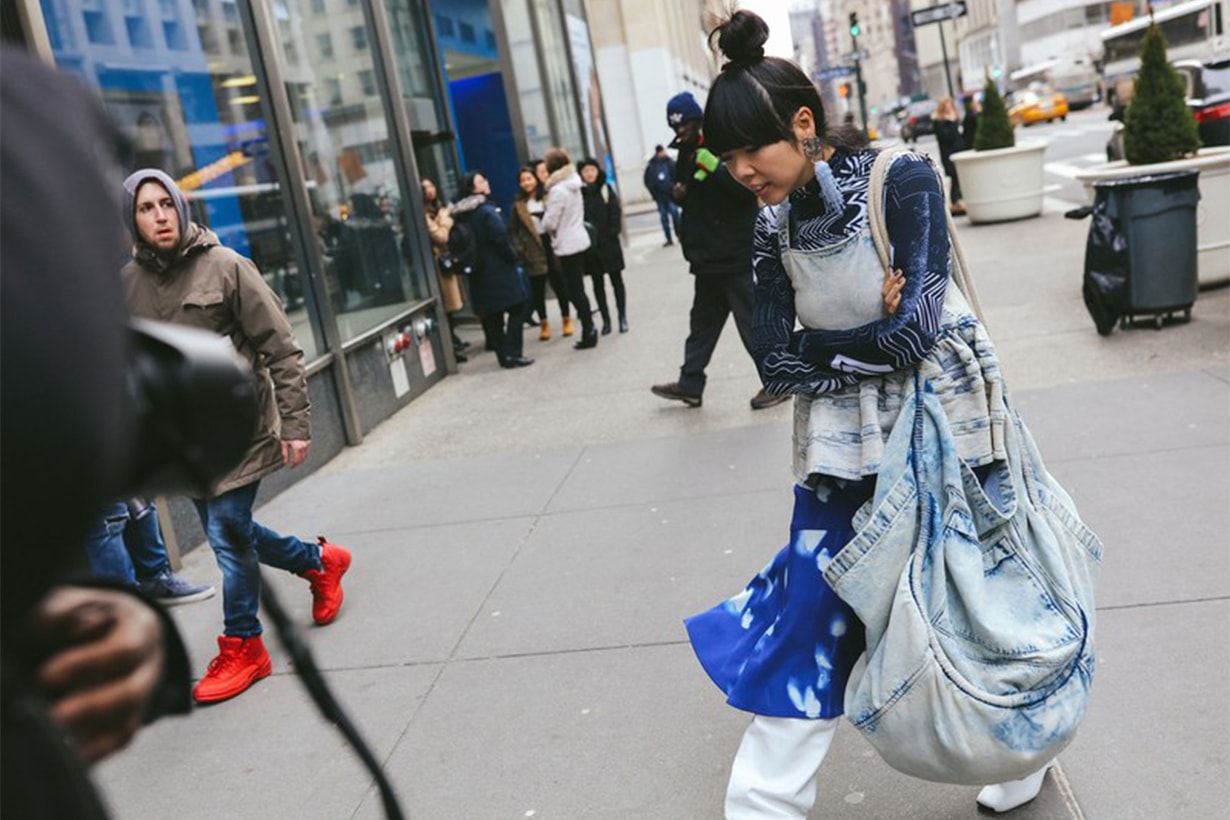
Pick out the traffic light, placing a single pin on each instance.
(843, 90)
(854, 24)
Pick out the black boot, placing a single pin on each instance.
(589, 338)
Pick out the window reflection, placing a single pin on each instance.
(343, 139)
(178, 79)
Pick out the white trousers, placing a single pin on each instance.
(774, 773)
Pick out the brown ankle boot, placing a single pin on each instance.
(545, 333)
(567, 325)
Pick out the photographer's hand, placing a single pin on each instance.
(295, 452)
(103, 662)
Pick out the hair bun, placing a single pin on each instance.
(742, 37)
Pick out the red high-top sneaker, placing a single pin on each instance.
(240, 663)
(327, 582)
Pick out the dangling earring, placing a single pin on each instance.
(811, 148)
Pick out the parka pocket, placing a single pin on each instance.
(202, 299)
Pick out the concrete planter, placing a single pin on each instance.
(1003, 184)
(1212, 214)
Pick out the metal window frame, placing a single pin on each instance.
(261, 32)
(388, 83)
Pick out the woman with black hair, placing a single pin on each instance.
(606, 258)
(497, 284)
(785, 647)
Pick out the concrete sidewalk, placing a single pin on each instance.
(527, 542)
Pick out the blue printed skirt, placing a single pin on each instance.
(785, 645)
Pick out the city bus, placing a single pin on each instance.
(1195, 29)
(1074, 77)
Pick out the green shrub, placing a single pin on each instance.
(1158, 126)
(994, 127)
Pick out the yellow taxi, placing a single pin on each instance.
(1038, 104)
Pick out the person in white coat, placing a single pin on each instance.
(564, 219)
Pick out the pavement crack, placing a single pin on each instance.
(1214, 599)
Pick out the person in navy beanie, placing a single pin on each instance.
(715, 232)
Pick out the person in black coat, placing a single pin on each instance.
(83, 666)
(969, 126)
(719, 217)
(498, 287)
(948, 136)
(606, 256)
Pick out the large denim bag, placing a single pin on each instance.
(978, 607)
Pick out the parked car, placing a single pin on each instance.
(1207, 91)
(916, 120)
(1038, 104)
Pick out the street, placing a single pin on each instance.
(1072, 146)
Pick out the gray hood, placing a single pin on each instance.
(134, 182)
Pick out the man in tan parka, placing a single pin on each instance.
(181, 273)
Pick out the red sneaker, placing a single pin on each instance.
(327, 582)
(240, 663)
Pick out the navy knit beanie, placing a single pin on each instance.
(683, 107)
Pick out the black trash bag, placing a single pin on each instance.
(1105, 285)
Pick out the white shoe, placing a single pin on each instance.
(1013, 794)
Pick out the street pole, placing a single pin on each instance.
(862, 90)
(944, 54)
(858, 77)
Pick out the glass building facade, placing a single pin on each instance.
(299, 131)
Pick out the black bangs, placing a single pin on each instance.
(754, 103)
(738, 114)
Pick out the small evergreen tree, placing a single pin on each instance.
(1158, 126)
(994, 126)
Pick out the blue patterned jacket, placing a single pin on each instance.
(802, 361)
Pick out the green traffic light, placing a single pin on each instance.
(853, 31)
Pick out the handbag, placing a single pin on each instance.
(977, 596)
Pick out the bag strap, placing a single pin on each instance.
(879, 231)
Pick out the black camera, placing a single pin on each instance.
(194, 404)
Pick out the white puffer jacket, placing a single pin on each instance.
(564, 217)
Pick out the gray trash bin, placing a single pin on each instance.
(1157, 217)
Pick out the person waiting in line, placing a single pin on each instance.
(533, 246)
(605, 258)
(947, 124)
(716, 235)
(659, 178)
(125, 545)
(785, 647)
(439, 222)
(564, 219)
(497, 283)
(181, 273)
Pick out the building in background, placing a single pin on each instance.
(988, 42)
(648, 51)
(929, 55)
(299, 131)
(878, 47)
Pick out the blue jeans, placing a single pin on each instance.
(668, 212)
(104, 545)
(143, 539)
(240, 546)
